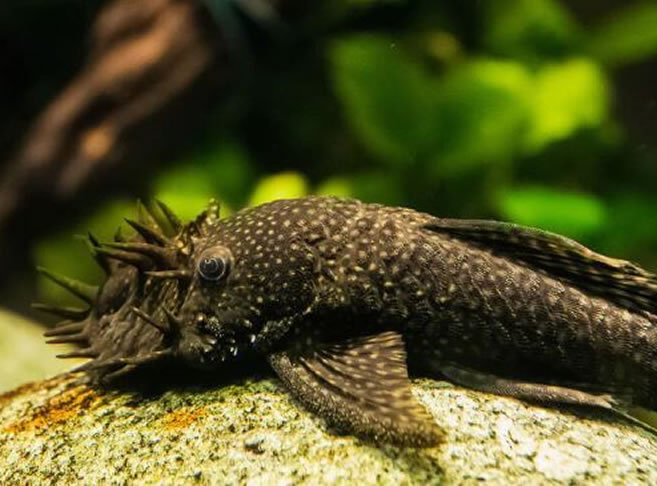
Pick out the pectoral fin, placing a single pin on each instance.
(361, 384)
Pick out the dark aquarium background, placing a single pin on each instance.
(540, 112)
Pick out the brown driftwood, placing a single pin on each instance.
(143, 55)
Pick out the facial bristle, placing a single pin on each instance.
(72, 338)
(62, 330)
(163, 257)
(125, 365)
(115, 375)
(147, 217)
(93, 240)
(130, 364)
(156, 251)
(118, 235)
(171, 217)
(163, 328)
(82, 290)
(80, 353)
(149, 235)
(175, 322)
(75, 313)
(205, 221)
(184, 275)
(140, 261)
(102, 260)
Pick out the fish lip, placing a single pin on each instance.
(208, 342)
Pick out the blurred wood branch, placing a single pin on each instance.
(143, 54)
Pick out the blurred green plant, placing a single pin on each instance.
(279, 186)
(567, 97)
(483, 108)
(387, 98)
(531, 30)
(575, 214)
(220, 170)
(627, 36)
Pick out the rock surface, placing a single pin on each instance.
(253, 433)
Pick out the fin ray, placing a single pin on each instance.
(620, 281)
(361, 383)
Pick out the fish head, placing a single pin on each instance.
(248, 270)
(205, 292)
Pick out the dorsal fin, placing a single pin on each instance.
(622, 282)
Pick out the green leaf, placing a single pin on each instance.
(483, 107)
(577, 215)
(230, 170)
(528, 29)
(285, 185)
(335, 186)
(386, 97)
(629, 35)
(186, 189)
(567, 97)
(630, 228)
(372, 186)
(379, 187)
(220, 171)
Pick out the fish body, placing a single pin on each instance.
(342, 296)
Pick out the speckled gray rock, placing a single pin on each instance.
(254, 433)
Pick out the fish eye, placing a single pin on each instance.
(212, 267)
(213, 264)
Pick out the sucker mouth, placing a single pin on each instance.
(231, 348)
(212, 332)
(235, 347)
